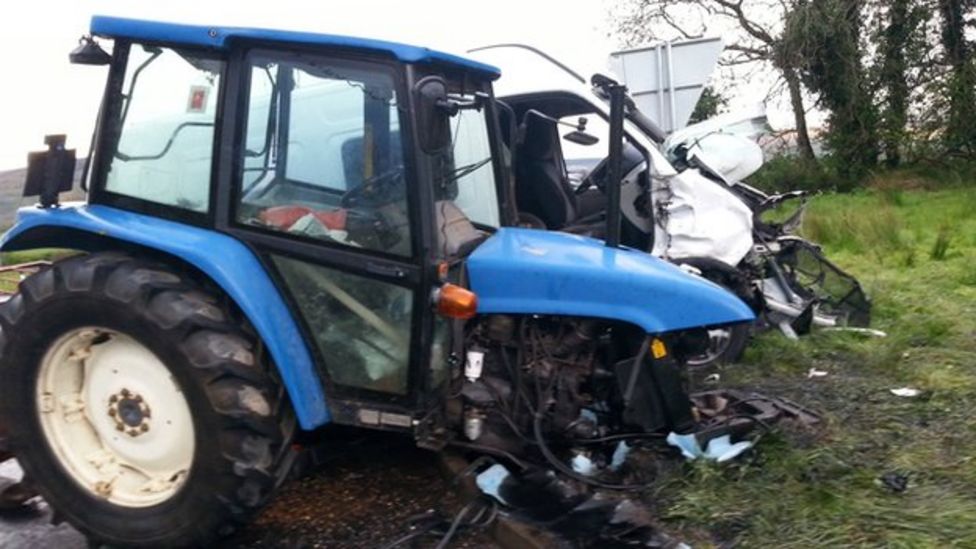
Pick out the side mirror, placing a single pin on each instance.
(50, 172)
(434, 123)
(580, 137)
(89, 52)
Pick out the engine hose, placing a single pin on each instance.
(566, 470)
(622, 437)
(490, 451)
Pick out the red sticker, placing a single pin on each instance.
(198, 99)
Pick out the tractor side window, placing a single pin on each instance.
(163, 151)
(322, 156)
(360, 326)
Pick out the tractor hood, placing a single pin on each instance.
(529, 271)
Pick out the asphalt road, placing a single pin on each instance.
(32, 528)
(362, 496)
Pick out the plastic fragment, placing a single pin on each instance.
(894, 481)
(490, 479)
(816, 373)
(855, 330)
(619, 455)
(583, 465)
(688, 445)
(905, 392)
(719, 449)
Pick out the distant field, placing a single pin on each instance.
(12, 187)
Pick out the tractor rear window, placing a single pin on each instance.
(165, 128)
(322, 154)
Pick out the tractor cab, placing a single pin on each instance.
(352, 168)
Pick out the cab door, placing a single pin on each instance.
(325, 193)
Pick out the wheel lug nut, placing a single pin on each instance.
(113, 399)
(111, 412)
(144, 427)
(125, 392)
(119, 428)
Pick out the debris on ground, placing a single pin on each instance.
(719, 449)
(905, 392)
(816, 373)
(737, 413)
(894, 481)
(870, 332)
(16, 496)
(581, 517)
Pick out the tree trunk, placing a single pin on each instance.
(961, 86)
(799, 114)
(897, 34)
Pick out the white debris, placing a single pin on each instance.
(906, 392)
(719, 449)
(816, 373)
(583, 465)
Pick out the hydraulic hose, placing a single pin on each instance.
(566, 470)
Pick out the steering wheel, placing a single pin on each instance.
(376, 191)
(596, 177)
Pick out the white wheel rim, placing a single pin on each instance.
(115, 417)
(719, 340)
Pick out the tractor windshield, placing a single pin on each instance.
(466, 176)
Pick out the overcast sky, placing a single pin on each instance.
(42, 93)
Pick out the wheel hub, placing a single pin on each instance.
(130, 412)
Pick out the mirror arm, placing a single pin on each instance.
(579, 126)
(453, 106)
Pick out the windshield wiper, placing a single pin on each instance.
(467, 169)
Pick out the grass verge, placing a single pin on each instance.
(915, 253)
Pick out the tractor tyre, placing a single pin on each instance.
(146, 414)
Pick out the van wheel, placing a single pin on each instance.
(142, 411)
(726, 344)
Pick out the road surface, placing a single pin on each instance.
(362, 496)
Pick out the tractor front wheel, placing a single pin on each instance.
(142, 411)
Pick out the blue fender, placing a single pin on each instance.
(528, 271)
(228, 262)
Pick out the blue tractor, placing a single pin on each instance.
(288, 230)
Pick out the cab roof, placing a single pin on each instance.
(221, 37)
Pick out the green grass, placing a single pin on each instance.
(915, 253)
(10, 279)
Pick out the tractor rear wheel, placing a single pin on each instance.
(143, 412)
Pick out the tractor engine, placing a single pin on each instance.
(537, 382)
